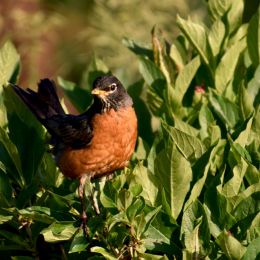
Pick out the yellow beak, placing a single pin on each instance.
(98, 92)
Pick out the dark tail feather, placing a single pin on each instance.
(44, 103)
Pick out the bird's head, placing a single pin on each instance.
(110, 92)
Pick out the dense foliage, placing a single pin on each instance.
(192, 189)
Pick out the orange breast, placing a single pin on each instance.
(113, 142)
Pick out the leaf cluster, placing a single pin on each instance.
(192, 190)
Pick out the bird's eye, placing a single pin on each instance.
(113, 86)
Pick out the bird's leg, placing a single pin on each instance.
(82, 197)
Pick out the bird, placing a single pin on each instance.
(90, 145)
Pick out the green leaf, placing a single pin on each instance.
(253, 231)
(194, 228)
(225, 70)
(248, 206)
(125, 199)
(159, 234)
(103, 252)
(79, 242)
(152, 256)
(79, 97)
(207, 122)
(9, 63)
(144, 177)
(185, 77)
(231, 247)
(4, 219)
(217, 159)
(190, 146)
(244, 136)
(185, 127)
(151, 74)
(161, 57)
(245, 102)
(48, 171)
(169, 168)
(176, 53)
(11, 158)
(200, 172)
(59, 231)
(232, 186)
(253, 250)
(216, 36)
(146, 220)
(138, 48)
(9, 60)
(37, 213)
(197, 36)
(218, 8)
(235, 15)
(135, 208)
(23, 128)
(253, 87)
(17, 239)
(225, 109)
(156, 84)
(218, 204)
(5, 190)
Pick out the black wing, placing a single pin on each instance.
(70, 130)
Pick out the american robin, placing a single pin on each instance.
(92, 144)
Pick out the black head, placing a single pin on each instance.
(110, 93)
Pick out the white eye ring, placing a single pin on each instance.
(113, 86)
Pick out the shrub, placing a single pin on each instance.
(193, 187)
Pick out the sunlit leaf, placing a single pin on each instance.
(231, 247)
(231, 188)
(253, 250)
(148, 181)
(9, 59)
(176, 55)
(190, 146)
(253, 87)
(218, 8)
(174, 173)
(216, 36)
(56, 232)
(196, 35)
(226, 67)
(37, 213)
(235, 14)
(185, 77)
(194, 228)
(4, 219)
(254, 229)
(103, 252)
